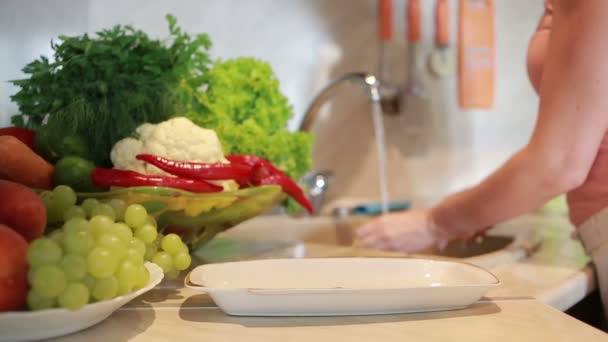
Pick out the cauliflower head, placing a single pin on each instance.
(177, 139)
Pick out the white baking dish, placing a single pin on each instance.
(340, 286)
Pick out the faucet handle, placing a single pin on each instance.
(442, 22)
(316, 185)
(414, 21)
(385, 20)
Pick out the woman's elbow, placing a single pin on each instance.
(569, 179)
(555, 173)
(563, 175)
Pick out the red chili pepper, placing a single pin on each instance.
(126, 178)
(265, 173)
(201, 171)
(252, 161)
(27, 136)
(290, 187)
(244, 159)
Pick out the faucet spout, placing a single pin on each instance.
(369, 81)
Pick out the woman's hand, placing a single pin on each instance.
(410, 232)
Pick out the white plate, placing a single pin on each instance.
(44, 324)
(340, 286)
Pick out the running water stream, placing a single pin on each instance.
(381, 152)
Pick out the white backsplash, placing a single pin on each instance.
(308, 42)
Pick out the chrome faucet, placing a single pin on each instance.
(369, 81)
(317, 182)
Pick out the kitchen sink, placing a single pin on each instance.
(279, 236)
(284, 237)
(342, 233)
(476, 247)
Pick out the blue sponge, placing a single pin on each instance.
(376, 208)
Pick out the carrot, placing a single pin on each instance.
(22, 165)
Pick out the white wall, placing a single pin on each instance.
(285, 33)
(309, 42)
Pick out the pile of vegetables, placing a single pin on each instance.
(57, 251)
(101, 88)
(96, 251)
(98, 89)
(121, 109)
(244, 105)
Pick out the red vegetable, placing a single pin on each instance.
(201, 171)
(21, 164)
(290, 187)
(22, 210)
(244, 169)
(27, 136)
(125, 178)
(13, 270)
(252, 161)
(265, 173)
(244, 159)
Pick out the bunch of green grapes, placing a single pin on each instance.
(98, 253)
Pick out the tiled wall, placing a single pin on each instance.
(309, 42)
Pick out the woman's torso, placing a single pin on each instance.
(592, 196)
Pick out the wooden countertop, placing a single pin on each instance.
(509, 320)
(544, 261)
(172, 312)
(511, 313)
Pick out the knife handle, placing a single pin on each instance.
(442, 22)
(385, 20)
(414, 21)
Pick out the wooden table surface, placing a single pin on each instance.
(171, 312)
(508, 320)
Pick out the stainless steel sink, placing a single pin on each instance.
(306, 237)
(480, 246)
(342, 234)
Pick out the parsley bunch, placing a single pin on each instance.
(103, 87)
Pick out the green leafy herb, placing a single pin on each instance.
(244, 105)
(103, 87)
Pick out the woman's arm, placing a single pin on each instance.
(573, 119)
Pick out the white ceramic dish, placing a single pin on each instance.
(340, 286)
(44, 324)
